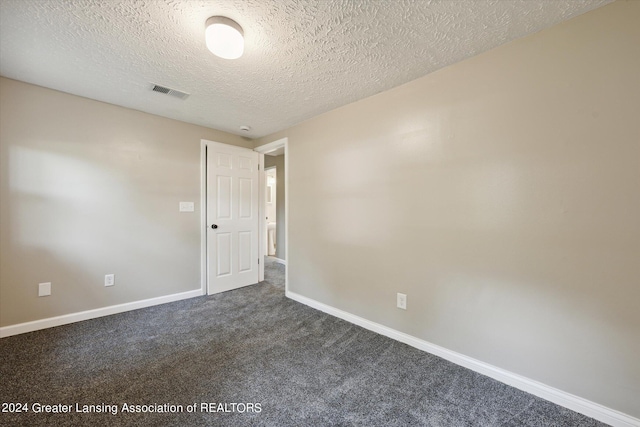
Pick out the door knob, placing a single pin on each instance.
(214, 226)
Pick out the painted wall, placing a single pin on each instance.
(87, 189)
(502, 195)
(278, 162)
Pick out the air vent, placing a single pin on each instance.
(169, 91)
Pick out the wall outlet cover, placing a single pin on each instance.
(109, 279)
(401, 301)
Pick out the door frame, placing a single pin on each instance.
(267, 148)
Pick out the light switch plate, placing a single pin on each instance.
(186, 207)
(44, 289)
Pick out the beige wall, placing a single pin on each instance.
(278, 162)
(502, 195)
(87, 189)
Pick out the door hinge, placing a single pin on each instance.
(258, 166)
(258, 261)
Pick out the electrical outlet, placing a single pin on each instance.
(44, 289)
(402, 301)
(109, 279)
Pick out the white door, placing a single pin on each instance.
(232, 217)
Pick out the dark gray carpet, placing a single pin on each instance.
(252, 345)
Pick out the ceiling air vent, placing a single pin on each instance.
(169, 91)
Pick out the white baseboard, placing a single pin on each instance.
(559, 397)
(22, 328)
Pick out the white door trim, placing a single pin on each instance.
(203, 215)
(263, 149)
(262, 251)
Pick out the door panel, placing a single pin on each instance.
(246, 163)
(224, 201)
(232, 205)
(246, 198)
(245, 250)
(224, 160)
(223, 255)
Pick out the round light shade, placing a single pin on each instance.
(224, 37)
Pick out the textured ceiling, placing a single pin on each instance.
(302, 57)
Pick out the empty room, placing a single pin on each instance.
(320, 212)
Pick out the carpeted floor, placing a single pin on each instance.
(249, 348)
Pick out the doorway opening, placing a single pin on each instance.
(271, 210)
(274, 158)
(274, 205)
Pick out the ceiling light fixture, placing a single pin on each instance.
(224, 37)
